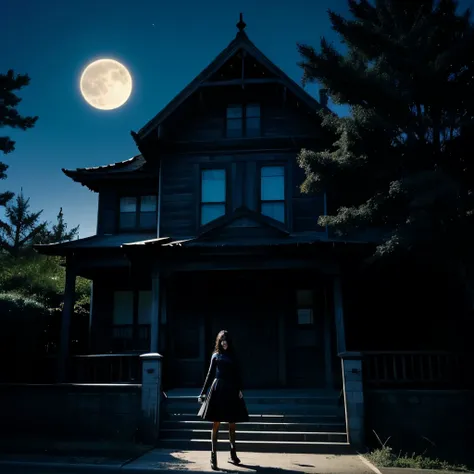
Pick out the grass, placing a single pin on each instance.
(385, 457)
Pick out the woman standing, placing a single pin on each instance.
(225, 401)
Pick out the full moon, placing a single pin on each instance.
(106, 84)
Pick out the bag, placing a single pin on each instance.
(203, 408)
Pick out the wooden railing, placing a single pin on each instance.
(418, 370)
(106, 368)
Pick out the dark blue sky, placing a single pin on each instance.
(164, 43)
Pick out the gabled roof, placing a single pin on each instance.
(240, 42)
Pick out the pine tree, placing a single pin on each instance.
(59, 231)
(9, 117)
(401, 162)
(21, 228)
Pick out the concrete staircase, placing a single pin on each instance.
(288, 421)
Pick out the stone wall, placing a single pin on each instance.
(415, 419)
(109, 412)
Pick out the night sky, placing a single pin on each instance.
(163, 43)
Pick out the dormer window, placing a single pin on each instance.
(138, 213)
(243, 121)
(272, 192)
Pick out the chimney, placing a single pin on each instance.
(323, 97)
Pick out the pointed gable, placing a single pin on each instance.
(241, 61)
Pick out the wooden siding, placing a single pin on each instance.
(180, 190)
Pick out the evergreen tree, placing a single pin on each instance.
(21, 228)
(9, 117)
(59, 231)
(401, 164)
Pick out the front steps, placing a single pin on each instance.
(280, 421)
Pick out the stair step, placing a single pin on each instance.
(258, 426)
(270, 436)
(259, 446)
(270, 400)
(264, 418)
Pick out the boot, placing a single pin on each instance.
(233, 456)
(213, 461)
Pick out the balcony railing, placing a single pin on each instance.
(442, 370)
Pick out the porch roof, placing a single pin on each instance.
(106, 241)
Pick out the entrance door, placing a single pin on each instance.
(305, 340)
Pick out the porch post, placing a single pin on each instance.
(155, 312)
(339, 315)
(66, 316)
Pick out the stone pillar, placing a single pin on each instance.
(155, 313)
(151, 397)
(67, 313)
(353, 397)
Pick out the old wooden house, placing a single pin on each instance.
(206, 229)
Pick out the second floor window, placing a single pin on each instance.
(138, 213)
(272, 192)
(213, 194)
(243, 121)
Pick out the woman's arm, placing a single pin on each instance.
(210, 375)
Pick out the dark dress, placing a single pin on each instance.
(224, 383)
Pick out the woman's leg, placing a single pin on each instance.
(215, 432)
(233, 449)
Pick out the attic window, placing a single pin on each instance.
(243, 121)
(138, 213)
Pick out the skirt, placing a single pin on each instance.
(224, 404)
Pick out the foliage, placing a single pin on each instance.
(384, 457)
(400, 163)
(22, 227)
(59, 231)
(9, 117)
(41, 278)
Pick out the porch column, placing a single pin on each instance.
(339, 315)
(155, 312)
(68, 311)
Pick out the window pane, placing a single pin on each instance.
(144, 307)
(275, 210)
(304, 298)
(213, 186)
(234, 128)
(123, 307)
(209, 212)
(148, 204)
(252, 127)
(253, 110)
(272, 183)
(234, 111)
(147, 220)
(128, 220)
(305, 316)
(128, 204)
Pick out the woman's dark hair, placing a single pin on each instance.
(223, 335)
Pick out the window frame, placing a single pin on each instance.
(243, 120)
(210, 167)
(138, 205)
(286, 177)
(305, 307)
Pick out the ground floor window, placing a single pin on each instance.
(131, 320)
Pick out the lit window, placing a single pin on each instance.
(272, 192)
(213, 194)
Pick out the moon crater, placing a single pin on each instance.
(106, 84)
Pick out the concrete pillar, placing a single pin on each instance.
(151, 397)
(155, 313)
(353, 397)
(66, 317)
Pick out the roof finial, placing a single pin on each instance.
(241, 24)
